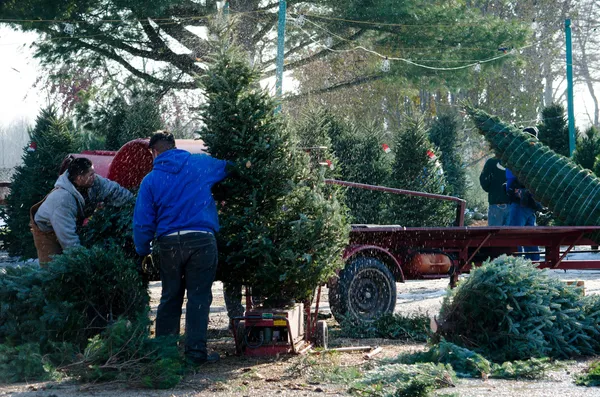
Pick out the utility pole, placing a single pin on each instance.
(280, 50)
(570, 111)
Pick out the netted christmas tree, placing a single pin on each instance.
(508, 309)
(444, 134)
(553, 130)
(280, 233)
(416, 168)
(50, 142)
(569, 191)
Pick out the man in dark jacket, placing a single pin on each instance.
(176, 205)
(522, 204)
(493, 180)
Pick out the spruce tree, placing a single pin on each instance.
(358, 147)
(569, 191)
(444, 134)
(416, 168)
(35, 178)
(553, 130)
(587, 149)
(280, 234)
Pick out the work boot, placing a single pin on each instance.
(209, 359)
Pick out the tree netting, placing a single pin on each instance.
(569, 191)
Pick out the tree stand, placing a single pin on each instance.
(270, 331)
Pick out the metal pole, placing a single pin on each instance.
(280, 49)
(571, 111)
(226, 9)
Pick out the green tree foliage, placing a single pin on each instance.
(569, 191)
(281, 235)
(123, 120)
(358, 147)
(415, 169)
(553, 130)
(587, 149)
(134, 32)
(509, 310)
(35, 178)
(591, 377)
(444, 134)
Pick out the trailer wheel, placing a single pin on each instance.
(322, 335)
(365, 290)
(240, 336)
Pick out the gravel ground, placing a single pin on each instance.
(243, 376)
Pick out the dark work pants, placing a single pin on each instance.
(233, 300)
(187, 262)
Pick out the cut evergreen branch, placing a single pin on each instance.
(591, 377)
(569, 191)
(417, 380)
(469, 364)
(508, 309)
(389, 326)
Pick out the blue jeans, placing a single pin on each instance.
(498, 214)
(524, 216)
(187, 262)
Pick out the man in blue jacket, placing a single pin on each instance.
(176, 205)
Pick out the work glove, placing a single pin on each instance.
(142, 265)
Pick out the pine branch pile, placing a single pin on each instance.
(47, 316)
(469, 364)
(509, 310)
(569, 191)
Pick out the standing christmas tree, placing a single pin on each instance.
(569, 191)
(280, 234)
(416, 168)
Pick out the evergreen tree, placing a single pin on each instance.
(416, 168)
(444, 134)
(362, 160)
(280, 234)
(121, 120)
(313, 131)
(569, 191)
(588, 147)
(34, 179)
(554, 130)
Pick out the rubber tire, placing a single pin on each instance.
(344, 299)
(322, 335)
(240, 330)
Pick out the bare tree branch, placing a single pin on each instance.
(335, 87)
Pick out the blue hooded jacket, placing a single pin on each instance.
(176, 195)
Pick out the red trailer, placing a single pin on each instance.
(379, 256)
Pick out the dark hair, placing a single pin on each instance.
(162, 141)
(76, 166)
(531, 131)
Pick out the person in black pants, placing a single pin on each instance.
(175, 205)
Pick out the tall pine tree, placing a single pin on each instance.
(416, 168)
(281, 235)
(569, 191)
(444, 134)
(553, 130)
(34, 179)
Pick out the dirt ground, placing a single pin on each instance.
(297, 375)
